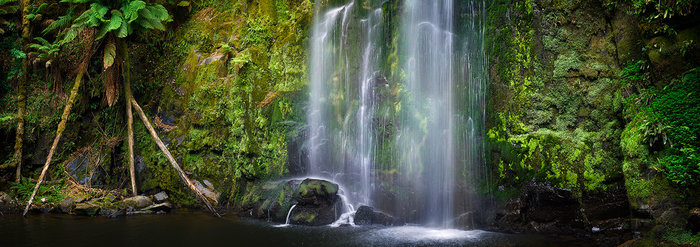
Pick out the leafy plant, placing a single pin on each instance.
(46, 51)
(24, 189)
(6, 8)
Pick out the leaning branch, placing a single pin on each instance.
(170, 157)
(59, 132)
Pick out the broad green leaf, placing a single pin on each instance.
(42, 41)
(82, 20)
(131, 11)
(116, 21)
(123, 30)
(70, 35)
(183, 3)
(109, 53)
(159, 12)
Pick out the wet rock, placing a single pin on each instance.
(543, 209)
(86, 209)
(66, 206)
(208, 191)
(673, 217)
(268, 201)
(316, 192)
(161, 196)
(117, 213)
(609, 204)
(366, 215)
(5, 199)
(164, 207)
(318, 203)
(137, 202)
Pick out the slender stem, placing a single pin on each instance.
(59, 132)
(129, 116)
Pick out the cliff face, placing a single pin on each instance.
(564, 102)
(232, 100)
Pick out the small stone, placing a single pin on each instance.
(5, 199)
(159, 207)
(161, 196)
(137, 201)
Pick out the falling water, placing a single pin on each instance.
(436, 96)
(443, 107)
(286, 222)
(345, 55)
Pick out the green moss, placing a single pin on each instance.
(566, 63)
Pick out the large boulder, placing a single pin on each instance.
(317, 203)
(541, 208)
(316, 200)
(366, 215)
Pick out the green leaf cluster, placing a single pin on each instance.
(123, 20)
(5, 9)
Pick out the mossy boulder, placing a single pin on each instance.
(86, 209)
(316, 192)
(316, 200)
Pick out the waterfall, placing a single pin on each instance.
(430, 112)
(345, 52)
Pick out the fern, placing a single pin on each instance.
(61, 23)
(119, 21)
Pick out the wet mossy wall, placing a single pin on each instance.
(576, 97)
(230, 105)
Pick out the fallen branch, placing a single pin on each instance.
(163, 148)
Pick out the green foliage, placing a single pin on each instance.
(24, 189)
(34, 10)
(677, 108)
(681, 236)
(122, 21)
(663, 9)
(6, 9)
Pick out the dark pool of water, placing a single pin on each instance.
(200, 229)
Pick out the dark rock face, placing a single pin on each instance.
(604, 205)
(366, 215)
(543, 209)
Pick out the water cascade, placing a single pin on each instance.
(345, 54)
(421, 144)
(286, 222)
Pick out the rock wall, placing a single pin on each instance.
(560, 108)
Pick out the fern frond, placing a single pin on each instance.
(62, 22)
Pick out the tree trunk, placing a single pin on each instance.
(177, 168)
(59, 132)
(129, 116)
(22, 92)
